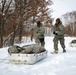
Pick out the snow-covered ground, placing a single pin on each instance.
(54, 64)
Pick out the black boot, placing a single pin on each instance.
(64, 51)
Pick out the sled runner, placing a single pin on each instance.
(27, 57)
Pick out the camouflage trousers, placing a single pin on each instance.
(61, 40)
(40, 41)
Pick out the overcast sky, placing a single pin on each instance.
(61, 7)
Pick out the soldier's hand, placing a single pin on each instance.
(55, 33)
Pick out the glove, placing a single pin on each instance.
(55, 33)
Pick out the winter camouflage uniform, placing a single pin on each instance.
(59, 36)
(39, 34)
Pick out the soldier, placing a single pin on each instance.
(38, 32)
(59, 36)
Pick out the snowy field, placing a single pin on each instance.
(54, 64)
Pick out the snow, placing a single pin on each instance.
(54, 64)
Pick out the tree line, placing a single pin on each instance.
(70, 23)
(14, 14)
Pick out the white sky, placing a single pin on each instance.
(61, 7)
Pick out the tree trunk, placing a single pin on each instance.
(1, 34)
(20, 33)
(13, 37)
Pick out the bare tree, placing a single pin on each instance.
(15, 12)
(70, 22)
(4, 8)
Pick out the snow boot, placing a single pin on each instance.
(64, 51)
(55, 52)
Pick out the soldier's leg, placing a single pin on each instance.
(37, 40)
(62, 44)
(42, 42)
(55, 40)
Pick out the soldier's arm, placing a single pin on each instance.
(31, 29)
(42, 30)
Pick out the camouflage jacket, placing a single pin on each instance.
(59, 29)
(38, 31)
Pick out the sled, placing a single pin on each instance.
(73, 43)
(30, 59)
